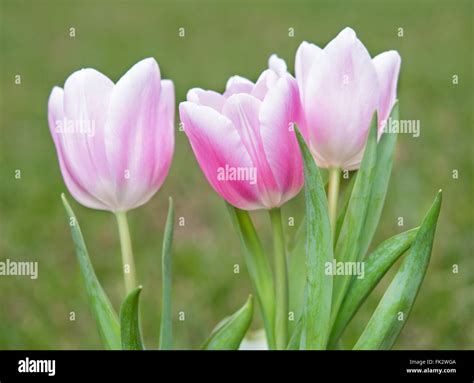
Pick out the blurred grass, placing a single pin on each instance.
(221, 39)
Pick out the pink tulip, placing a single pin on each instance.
(340, 88)
(244, 139)
(114, 142)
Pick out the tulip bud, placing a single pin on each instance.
(244, 139)
(340, 88)
(114, 141)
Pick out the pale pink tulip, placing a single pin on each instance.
(114, 142)
(340, 88)
(244, 139)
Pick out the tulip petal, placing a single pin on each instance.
(265, 81)
(277, 115)
(342, 78)
(277, 65)
(387, 66)
(55, 115)
(86, 99)
(163, 140)
(238, 84)
(206, 98)
(306, 55)
(217, 146)
(243, 110)
(133, 119)
(269, 77)
(164, 143)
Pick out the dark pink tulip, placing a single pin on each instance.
(244, 139)
(114, 141)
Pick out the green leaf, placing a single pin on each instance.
(297, 276)
(259, 269)
(394, 308)
(347, 242)
(166, 340)
(228, 334)
(382, 171)
(300, 229)
(130, 321)
(295, 340)
(318, 290)
(376, 265)
(297, 264)
(102, 310)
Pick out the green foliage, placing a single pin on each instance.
(102, 310)
(228, 334)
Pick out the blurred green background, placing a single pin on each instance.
(221, 39)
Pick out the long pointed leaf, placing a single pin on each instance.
(228, 334)
(347, 243)
(259, 269)
(318, 290)
(300, 229)
(376, 266)
(382, 171)
(296, 250)
(130, 321)
(295, 340)
(297, 276)
(102, 310)
(166, 340)
(394, 308)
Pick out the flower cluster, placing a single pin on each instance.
(257, 143)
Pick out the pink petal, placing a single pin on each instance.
(278, 113)
(269, 77)
(266, 80)
(55, 118)
(277, 65)
(243, 110)
(133, 122)
(238, 84)
(164, 142)
(86, 99)
(387, 66)
(206, 98)
(306, 55)
(217, 144)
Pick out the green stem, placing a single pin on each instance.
(281, 281)
(259, 269)
(127, 252)
(333, 195)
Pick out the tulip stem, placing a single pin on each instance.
(333, 195)
(281, 280)
(127, 252)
